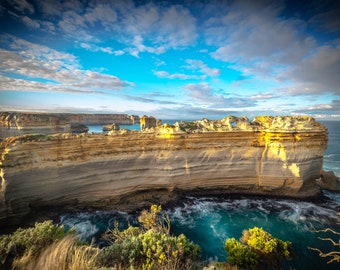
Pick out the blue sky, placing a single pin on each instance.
(171, 59)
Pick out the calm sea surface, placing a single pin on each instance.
(208, 221)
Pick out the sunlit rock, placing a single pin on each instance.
(280, 156)
(147, 122)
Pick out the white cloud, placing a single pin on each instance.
(181, 76)
(319, 72)
(102, 13)
(320, 107)
(205, 94)
(264, 96)
(194, 65)
(60, 71)
(254, 39)
(30, 23)
(148, 27)
(203, 68)
(95, 48)
(140, 47)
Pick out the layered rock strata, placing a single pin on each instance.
(16, 124)
(270, 155)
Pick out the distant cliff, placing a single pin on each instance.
(270, 155)
(17, 123)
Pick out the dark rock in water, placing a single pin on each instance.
(79, 128)
(329, 181)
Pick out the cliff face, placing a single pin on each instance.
(102, 119)
(261, 157)
(16, 124)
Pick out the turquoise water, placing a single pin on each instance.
(99, 128)
(209, 221)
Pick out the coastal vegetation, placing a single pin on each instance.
(257, 249)
(150, 246)
(147, 246)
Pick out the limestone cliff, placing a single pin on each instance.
(16, 123)
(270, 155)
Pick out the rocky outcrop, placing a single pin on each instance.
(271, 155)
(16, 124)
(329, 181)
(79, 128)
(113, 126)
(147, 122)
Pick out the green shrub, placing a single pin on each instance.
(240, 254)
(257, 248)
(148, 247)
(28, 243)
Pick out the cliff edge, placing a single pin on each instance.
(280, 156)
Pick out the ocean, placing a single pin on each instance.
(209, 221)
(332, 155)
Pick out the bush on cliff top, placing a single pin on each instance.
(257, 249)
(150, 246)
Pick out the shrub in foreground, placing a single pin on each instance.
(150, 246)
(24, 245)
(49, 246)
(257, 249)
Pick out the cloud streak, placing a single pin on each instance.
(32, 67)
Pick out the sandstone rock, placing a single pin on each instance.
(147, 122)
(97, 170)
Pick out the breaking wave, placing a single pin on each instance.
(91, 225)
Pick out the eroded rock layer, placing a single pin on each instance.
(16, 123)
(97, 170)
